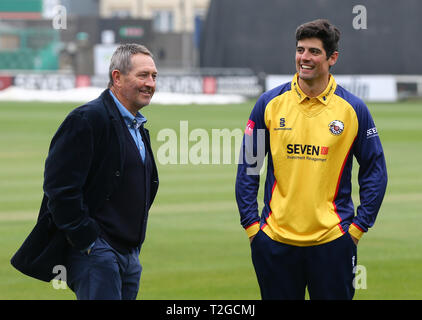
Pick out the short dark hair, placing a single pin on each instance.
(322, 29)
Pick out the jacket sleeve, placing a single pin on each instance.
(66, 171)
(372, 176)
(252, 154)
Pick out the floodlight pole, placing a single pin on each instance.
(185, 44)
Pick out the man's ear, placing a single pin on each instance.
(116, 75)
(333, 58)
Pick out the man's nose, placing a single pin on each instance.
(306, 55)
(150, 81)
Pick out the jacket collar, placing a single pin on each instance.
(116, 121)
(110, 105)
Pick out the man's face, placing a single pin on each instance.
(138, 86)
(311, 60)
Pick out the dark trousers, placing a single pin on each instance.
(284, 271)
(104, 273)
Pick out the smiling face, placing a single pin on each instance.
(136, 88)
(312, 64)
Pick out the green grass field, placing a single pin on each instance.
(195, 247)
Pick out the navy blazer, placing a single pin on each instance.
(83, 168)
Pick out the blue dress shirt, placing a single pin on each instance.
(133, 123)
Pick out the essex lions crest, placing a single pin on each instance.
(336, 127)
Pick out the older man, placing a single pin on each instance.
(99, 183)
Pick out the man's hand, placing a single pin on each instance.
(251, 238)
(355, 240)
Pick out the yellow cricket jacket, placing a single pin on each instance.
(310, 143)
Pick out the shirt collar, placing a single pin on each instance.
(132, 121)
(324, 97)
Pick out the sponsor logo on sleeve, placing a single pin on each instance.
(249, 127)
(370, 133)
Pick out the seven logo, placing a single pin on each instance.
(336, 127)
(307, 149)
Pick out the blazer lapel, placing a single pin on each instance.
(154, 174)
(116, 122)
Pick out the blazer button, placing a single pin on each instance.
(117, 173)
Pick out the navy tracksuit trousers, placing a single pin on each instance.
(284, 271)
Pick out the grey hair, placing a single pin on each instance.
(121, 58)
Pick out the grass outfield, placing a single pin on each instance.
(195, 247)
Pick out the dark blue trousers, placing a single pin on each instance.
(104, 273)
(284, 271)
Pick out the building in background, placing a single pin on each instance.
(167, 15)
(378, 37)
(171, 29)
(208, 46)
(176, 25)
(26, 42)
(236, 34)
